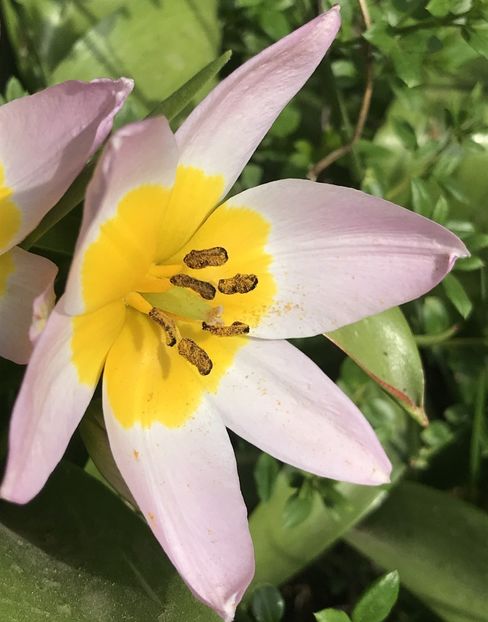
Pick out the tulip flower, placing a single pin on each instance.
(45, 139)
(185, 303)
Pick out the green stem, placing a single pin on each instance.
(477, 433)
(344, 122)
(434, 340)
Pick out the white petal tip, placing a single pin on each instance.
(228, 612)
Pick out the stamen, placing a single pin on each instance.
(236, 328)
(215, 256)
(195, 355)
(167, 324)
(206, 290)
(238, 284)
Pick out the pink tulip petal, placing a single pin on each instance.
(339, 255)
(221, 134)
(52, 400)
(185, 482)
(279, 400)
(27, 276)
(139, 155)
(47, 138)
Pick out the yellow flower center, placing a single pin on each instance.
(166, 311)
(186, 310)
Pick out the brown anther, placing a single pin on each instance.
(195, 355)
(215, 256)
(236, 328)
(238, 284)
(206, 290)
(167, 324)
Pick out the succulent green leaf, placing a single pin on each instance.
(438, 544)
(384, 347)
(77, 552)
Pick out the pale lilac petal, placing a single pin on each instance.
(221, 134)
(185, 482)
(279, 400)
(27, 276)
(141, 154)
(339, 255)
(47, 138)
(53, 398)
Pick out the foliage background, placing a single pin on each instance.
(399, 109)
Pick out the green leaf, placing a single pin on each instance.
(78, 553)
(14, 89)
(467, 264)
(384, 347)
(477, 37)
(421, 199)
(457, 295)
(378, 600)
(438, 543)
(280, 551)
(434, 315)
(177, 102)
(267, 604)
(439, 8)
(159, 44)
(265, 475)
(297, 508)
(332, 615)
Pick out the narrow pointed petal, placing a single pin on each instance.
(333, 256)
(221, 134)
(185, 482)
(46, 139)
(23, 278)
(124, 205)
(58, 385)
(279, 400)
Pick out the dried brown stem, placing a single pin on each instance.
(329, 159)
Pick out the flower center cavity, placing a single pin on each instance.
(168, 294)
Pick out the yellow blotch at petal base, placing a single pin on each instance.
(125, 248)
(92, 336)
(10, 214)
(244, 234)
(148, 382)
(193, 197)
(7, 267)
